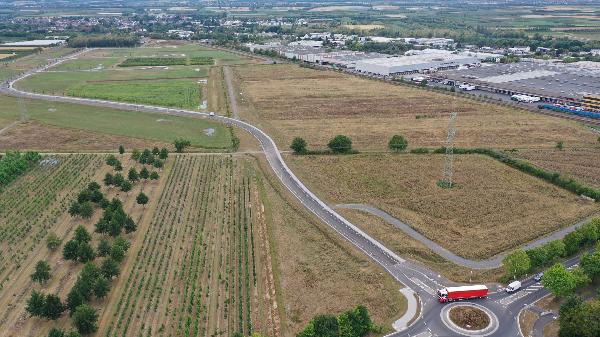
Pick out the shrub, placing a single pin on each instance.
(340, 144)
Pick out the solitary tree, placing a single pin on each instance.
(82, 235)
(101, 287)
(163, 154)
(121, 149)
(85, 319)
(126, 186)
(133, 175)
(559, 280)
(86, 210)
(142, 198)
(35, 304)
(53, 307)
(42, 272)
(109, 179)
(340, 144)
(103, 247)
(397, 143)
(180, 144)
(560, 145)
(298, 145)
(144, 173)
(52, 241)
(516, 263)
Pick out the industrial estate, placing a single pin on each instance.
(308, 169)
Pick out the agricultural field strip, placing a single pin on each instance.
(205, 248)
(19, 202)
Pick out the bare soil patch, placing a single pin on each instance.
(476, 219)
(34, 135)
(470, 318)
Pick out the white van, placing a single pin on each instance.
(513, 286)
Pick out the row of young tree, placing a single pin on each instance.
(342, 144)
(13, 164)
(94, 280)
(352, 323)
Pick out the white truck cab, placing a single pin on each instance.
(513, 286)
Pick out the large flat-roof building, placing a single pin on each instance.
(400, 65)
(35, 43)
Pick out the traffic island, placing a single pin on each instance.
(469, 319)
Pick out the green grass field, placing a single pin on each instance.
(87, 64)
(117, 122)
(173, 93)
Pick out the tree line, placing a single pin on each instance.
(352, 323)
(14, 164)
(98, 41)
(342, 144)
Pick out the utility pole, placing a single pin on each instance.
(449, 157)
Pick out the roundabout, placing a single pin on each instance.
(469, 319)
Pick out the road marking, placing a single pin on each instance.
(424, 334)
(423, 286)
(520, 294)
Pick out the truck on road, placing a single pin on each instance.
(451, 294)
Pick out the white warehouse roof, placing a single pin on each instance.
(405, 64)
(34, 43)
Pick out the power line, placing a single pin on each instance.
(449, 157)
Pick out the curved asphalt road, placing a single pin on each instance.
(422, 281)
(493, 262)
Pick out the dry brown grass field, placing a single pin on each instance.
(35, 205)
(476, 219)
(292, 101)
(37, 136)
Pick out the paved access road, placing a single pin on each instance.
(420, 281)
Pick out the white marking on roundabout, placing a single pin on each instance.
(490, 329)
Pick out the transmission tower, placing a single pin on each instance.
(449, 158)
(23, 110)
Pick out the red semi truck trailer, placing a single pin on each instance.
(461, 293)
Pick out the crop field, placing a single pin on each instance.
(30, 208)
(166, 61)
(201, 268)
(132, 124)
(35, 205)
(173, 93)
(475, 219)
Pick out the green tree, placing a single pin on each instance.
(85, 319)
(56, 332)
(126, 186)
(129, 225)
(118, 179)
(74, 208)
(133, 175)
(101, 287)
(103, 247)
(298, 145)
(53, 241)
(41, 273)
(154, 175)
(590, 263)
(142, 199)
(111, 160)
(559, 280)
(135, 154)
(144, 173)
(517, 263)
(85, 252)
(326, 326)
(118, 166)
(155, 151)
(180, 144)
(560, 145)
(74, 299)
(70, 250)
(581, 278)
(53, 307)
(340, 144)
(117, 253)
(121, 149)
(86, 210)
(164, 153)
(157, 164)
(397, 143)
(109, 179)
(82, 235)
(35, 303)
(109, 268)
(573, 242)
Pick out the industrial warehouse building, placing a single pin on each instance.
(401, 65)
